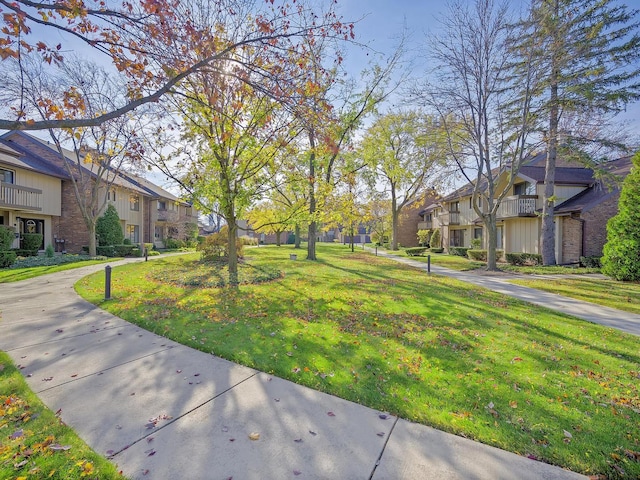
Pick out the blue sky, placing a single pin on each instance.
(380, 22)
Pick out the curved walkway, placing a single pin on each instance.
(610, 317)
(161, 410)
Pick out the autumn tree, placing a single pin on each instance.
(232, 135)
(586, 54)
(155, 45)
(404, 151)
(378, 217)
(93, 157)
(271, 218)
(482, 97)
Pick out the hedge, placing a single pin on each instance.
(7, 258)
(481, 255)
(593, 261)
(25, 252)
(437, 250)
(415, 251)
(32, 241)
(459, 251)
(524, 258)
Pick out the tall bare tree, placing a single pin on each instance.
(482, 95)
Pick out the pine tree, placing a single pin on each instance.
(621, 258)
(587, 53)
(108, 228)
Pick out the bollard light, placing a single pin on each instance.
(107, 282)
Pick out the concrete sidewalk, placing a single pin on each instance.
(161, 410)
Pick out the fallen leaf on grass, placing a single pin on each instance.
(56, 447)
(16, 434)
(254, 436)
(567, 434)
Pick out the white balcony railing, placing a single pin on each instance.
(518, 206)
(24, 198)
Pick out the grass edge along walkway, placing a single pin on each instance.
(431, 349)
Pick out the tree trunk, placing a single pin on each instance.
(492, 230)
(297, 236)
(233, 251)
(91, 226)
(278, 234)
(352, 239)
(311, 245)
(394, 221)
(548, 227)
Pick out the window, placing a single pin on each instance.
(454, 206)
(525, 188)
(162, 205)
(456, 238)
(111, 194)
(134, 203)
(477, 232)
(133, 232)
(6, 176)
(188, 211)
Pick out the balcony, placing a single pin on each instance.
(425, 225)
(454, 218)
(518, 206)
(20, 198)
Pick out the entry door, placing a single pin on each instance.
(32, 225)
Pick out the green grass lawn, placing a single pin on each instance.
(427, 348)
(607, 292)
(456, 262)
(34, 443)
(17, 274)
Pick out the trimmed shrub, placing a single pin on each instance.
(123, 250)
(148, 247)
(32, 241)
(518, 258)
(106, 250)
(216, 247)
(458, 251)
(481, 255)
(437, 250)
(593, 261)
(476, 244)
(415, 251)
(108, 228)
(7, 236)
(23, 252)
(136, 251)
(173, 243)
(48, 252)
(126, 241)
(7, 258)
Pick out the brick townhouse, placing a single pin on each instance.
(585, 202)
(37, 196)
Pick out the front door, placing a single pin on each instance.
(32, 225)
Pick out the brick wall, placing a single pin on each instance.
(595, 234)
(70, 225)
(571, 239)
(409, 218)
